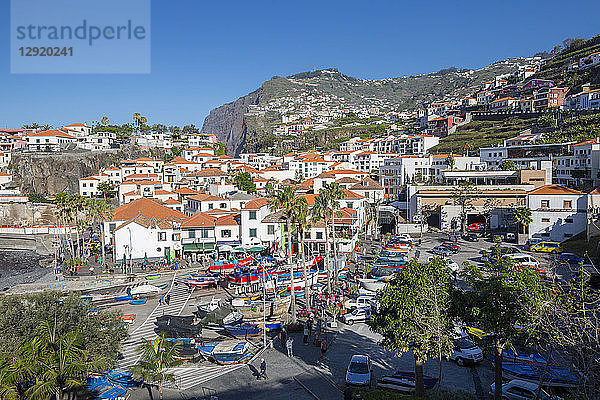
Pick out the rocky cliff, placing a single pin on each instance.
(228, 123)
(50, 173)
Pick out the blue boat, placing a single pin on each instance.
(404, 381)
(523, 358)
(227, 354)
(123, 298)
(206, 349)
(138, 302)
(243, 330)
(552, 375)
(122, 378)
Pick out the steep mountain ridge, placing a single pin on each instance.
(243, 130)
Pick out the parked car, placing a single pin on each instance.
(466, 352)
(358, 302)
(471, 237)
(571, 258)
(451, 264)
(359, 371)
(452, 246)
(518, 389)
(476, 227)
(547, 247)
(358, 315)
(510, 237)
(530, 242)
(442, 251)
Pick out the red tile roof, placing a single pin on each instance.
(150, 208)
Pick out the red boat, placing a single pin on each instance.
(222, 266)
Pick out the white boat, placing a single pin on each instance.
(372, 285)
(144, 289)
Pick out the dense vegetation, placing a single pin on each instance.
(20, 317)
(476, 134)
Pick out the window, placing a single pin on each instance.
(84, 193)
(569, 220)
(545, 203)
(226, 233)
(84, 184)
(319, 235)
(192, 234)
(111, 227)
(567, 204)
(162, 236)
(210, 206)
(252, 215)
(252, 232)
(307, 235)
(271, 229)
(349, 205)
(223, 205)
(545, 219)
(204, 233)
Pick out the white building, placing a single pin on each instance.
(558, 213)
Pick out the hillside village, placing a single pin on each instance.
(196, 203)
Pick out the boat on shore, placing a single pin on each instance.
(403, 381)
(153, 276)
(551, 375)
(373, 285)
(243, 330)
(227, 352)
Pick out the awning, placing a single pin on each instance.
(241, 249)
(198, 247)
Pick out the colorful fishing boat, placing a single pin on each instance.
(403, 381)
(523, 358)
(152, 276)
(243, 330)
(203, 281)
(373, 285)
(550, 375)
(204, 307)
(222, 266)
(244, 277)
(138, 302)
(128, 318)
(227, 353)
(123, 298)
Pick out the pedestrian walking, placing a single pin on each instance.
(323, 350)
(306, 331)
(168, 298)
(161, 300)
(289, 344)
(263, 369)
(283, 337)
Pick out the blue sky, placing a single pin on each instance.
(206, 53)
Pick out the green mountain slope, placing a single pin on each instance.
(242, 128)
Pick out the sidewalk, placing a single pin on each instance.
(300, 377)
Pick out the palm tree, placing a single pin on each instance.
(100, 211)
(56, 361)
(285, 201)
(522, 216)
(302, 217)
(157, 357)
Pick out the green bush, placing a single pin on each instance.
(431, 395)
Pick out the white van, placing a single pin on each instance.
(466, 352)
(523, 259)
